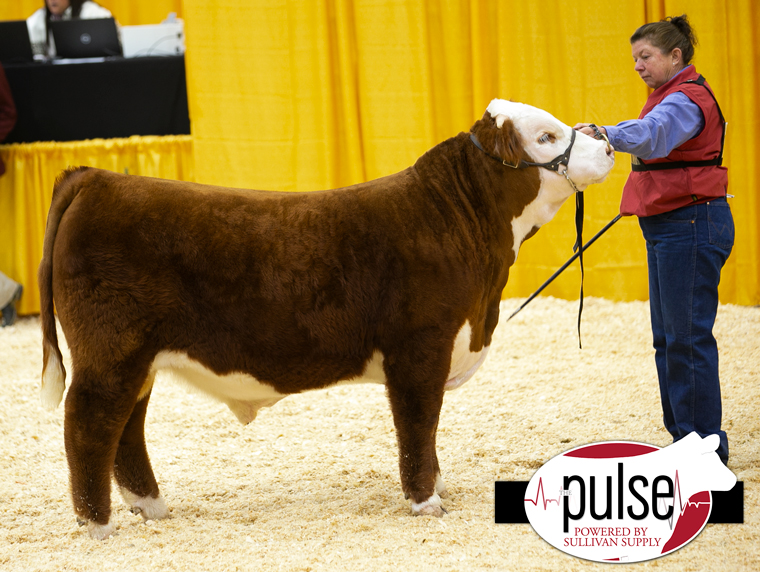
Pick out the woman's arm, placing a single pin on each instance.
(671, 123)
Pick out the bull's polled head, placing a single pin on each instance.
(526, 133)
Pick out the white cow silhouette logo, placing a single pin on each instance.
(626, 502)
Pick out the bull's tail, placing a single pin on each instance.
(53, 371)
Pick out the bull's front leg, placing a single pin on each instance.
(415, 391)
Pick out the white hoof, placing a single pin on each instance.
(100, 531)
(431, 506)
(148, 508)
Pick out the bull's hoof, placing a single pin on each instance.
(100, 531)
(147, 507)
(431, 506)
(437, 511)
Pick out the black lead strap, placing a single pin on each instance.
(578, 247)
(562, 268)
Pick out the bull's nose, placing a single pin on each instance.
(610, 152)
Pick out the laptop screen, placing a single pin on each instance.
(86, 38)
(15, 47)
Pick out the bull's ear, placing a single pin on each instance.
(509, 144)
(499, 137)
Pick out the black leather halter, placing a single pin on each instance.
(552, 165)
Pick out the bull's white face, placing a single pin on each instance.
(544, 138)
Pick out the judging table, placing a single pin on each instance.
(115, 97)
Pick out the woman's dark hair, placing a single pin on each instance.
(669, 34)
(76, 8)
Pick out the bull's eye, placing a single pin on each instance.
(547, 138)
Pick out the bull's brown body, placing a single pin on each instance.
(296, 290)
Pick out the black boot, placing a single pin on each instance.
(9, 310)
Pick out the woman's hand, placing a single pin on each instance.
(591, 130)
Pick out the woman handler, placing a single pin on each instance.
(677, 188)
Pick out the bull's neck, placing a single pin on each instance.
(483, 194)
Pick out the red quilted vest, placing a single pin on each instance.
(651, 192)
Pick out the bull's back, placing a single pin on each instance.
(286, 287)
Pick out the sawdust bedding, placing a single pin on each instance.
(313, 483)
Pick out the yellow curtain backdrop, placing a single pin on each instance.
(296, 95)
(27, 187)
(126, 12)
(306, 95)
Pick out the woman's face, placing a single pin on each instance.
(57, 7)
(654, 67)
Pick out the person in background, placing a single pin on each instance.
(7, 112)
(39, 22)
(678, 188)
(10, 291)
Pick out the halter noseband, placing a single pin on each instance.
(552, 165)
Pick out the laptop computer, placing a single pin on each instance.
(86, 38)
(15, 47)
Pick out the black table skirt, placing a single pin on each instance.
(115, 98)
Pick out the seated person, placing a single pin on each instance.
(10, 292)
(39, 27)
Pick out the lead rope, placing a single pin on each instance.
(579, 248)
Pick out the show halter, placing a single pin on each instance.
(552, 165)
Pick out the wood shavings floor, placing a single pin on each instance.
(312, 484)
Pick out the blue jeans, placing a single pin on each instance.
(686, 250)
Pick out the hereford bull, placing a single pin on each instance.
(253, 295)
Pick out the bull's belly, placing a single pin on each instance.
(241, 392)
(245, 395)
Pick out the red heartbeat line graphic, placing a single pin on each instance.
(682, 507)
(540, 492)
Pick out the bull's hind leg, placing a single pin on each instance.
(97, 409)
(415, 392)
(132, 469)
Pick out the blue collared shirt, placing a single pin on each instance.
(670, 124)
